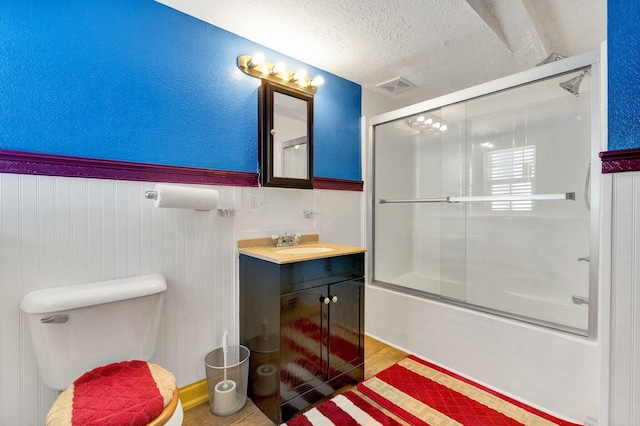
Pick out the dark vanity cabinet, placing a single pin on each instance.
(304, 325)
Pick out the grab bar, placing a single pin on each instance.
(529, 197)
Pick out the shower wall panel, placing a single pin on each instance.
(453, 219)
(526, 258)
(394, 232)
(531, 253)
(517, 256)
(426, 258)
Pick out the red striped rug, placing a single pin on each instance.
(347, 409)
(425, 394)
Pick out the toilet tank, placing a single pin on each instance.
(79, 327)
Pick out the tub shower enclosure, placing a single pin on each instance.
(485, 198)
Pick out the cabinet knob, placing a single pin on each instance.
(334, 299)
(326, 300)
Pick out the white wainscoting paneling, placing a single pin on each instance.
(340, 216)
(624, 400)
(281, 212)
(58, 231)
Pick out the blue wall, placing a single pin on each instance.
(137, 81)
(623, 44)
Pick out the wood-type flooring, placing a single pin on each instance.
(378, 356)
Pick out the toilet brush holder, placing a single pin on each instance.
(225, 397)
(227, 392)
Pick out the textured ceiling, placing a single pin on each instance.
(441, 46)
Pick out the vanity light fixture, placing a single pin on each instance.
(256, 66)
(299, 75)
(278, 68)
(255, 60)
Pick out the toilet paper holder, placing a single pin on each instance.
(153, 195)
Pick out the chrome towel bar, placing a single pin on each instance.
(527, 197)
(415, 200)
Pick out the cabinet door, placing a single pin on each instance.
(303, 355)
(346, 327)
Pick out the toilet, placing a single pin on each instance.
(94, 342)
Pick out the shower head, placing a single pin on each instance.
(553, 56)
(573, 86)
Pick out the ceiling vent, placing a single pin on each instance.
(396, 85)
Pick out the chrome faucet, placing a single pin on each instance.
(286, 239)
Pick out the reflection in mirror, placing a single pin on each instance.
(290, 125)
(286, 137)
(294, 158)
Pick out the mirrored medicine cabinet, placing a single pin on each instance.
(285, 133)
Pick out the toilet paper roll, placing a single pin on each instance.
(224, 398)
(266, 381)
(186, 197)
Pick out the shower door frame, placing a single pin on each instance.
(589, 59)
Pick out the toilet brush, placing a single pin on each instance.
(225, 351)
(224, 399)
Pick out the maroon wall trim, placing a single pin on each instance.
(626, 160)
(62, 165)
(339, 184)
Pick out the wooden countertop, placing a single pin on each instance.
(265, 249)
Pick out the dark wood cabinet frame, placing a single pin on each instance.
(265, 138)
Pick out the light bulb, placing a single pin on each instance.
(255, 60)
(317, 81)
(420, 119)
(436, 125)
(278, 68)
(299, 75)
(429, 121)
(443, 127)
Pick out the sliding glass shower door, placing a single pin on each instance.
(486, 202)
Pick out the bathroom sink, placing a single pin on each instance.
(304, 250)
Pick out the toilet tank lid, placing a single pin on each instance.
(96, 293)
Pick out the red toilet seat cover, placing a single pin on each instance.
(124, 393)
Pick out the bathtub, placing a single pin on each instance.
(511, 303)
